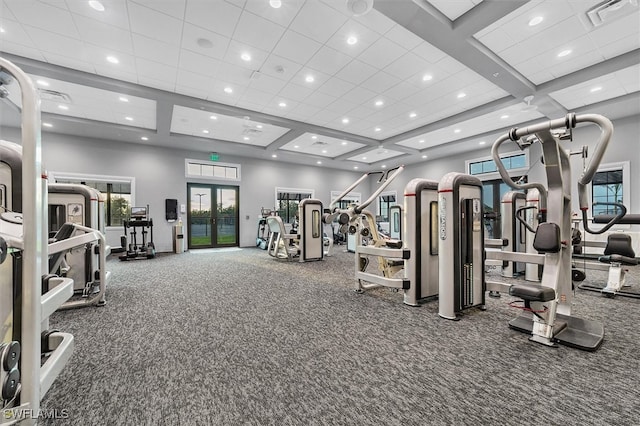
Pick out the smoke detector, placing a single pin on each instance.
(610, 10)
(359, 7)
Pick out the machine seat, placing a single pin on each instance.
(531, 293)
(547, 238)
(617, 258)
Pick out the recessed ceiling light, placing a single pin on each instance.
(461, 95)
(43, 83)
(213, 117)
(228, 90)
(535, 21)
(309, 78)
(355, 167)
(345, 121)
(275, 3)
(314, 137)
(351, 40)
(96, 5)
(384, 166)
(505, 116)
(324, 151)
(427, 77)
(344, 142)
(482, 142)
(259, 126)
(63, 107)
(596, 89)
(47, 124)
(129, 118)
(274, 155)
(457, 131)
(245, 57)
(318, 162)
(2, 30)
(413, 115)
(364, 158)
(246, 138)
(377, 129)
(564, 53)
(296, 146)
(421, 141)
(206, 132)
(113, 59)
(379, 102)
(123, 99)
(282, 104)
(144, 138)
(424, 156)
(205, 43)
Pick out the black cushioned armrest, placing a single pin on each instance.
(532, 293)
(617, 258)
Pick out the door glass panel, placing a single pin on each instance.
(226, 216)
(200, 216)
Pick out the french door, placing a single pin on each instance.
(212, 215)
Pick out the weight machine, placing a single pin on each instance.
(547, 307)
(139, 219)
(307, 243)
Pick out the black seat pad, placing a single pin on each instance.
(532, 293)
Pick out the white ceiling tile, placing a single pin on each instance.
(629, 78)
(341, 106)
(362, 111)
(58, 44)
(257, 97)
(218, 16)
(454, 9)
(274, 108)
(382, 53)
(199, 64)
(496, 40)
(268, 84)
(365, 36)
(327, 117)
(14, 34)
(194, 92)
(336, 87)
(65, 61)
(319, 100)
(154, 50)
(281, 16)
(104, 35)
(118, 74)
(237, 49)
(319, 78)
(192, 33)
(281, 68)
(238, 3)
(356, 72)
(43, 16)
(157, 84)
(359, 95)
(313, 12)
(257, 31)
(115, 12)
(304, 111)
(173, 8)
(403, 37)
(234, 74)
(296, 47)
(400, 91)
(192, 80)
(155, 25)
(407, 66)
(624, 28)
(295, 92)
(156, 70)
(429, 52)
(321, 145)
(376, 21)
(380, 81)
(328, 60)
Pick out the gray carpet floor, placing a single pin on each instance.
(239, 338)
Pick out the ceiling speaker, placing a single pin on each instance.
(359, 7)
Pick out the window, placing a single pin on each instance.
(606, 187)
(385, 200)
(212, 170)
(287, 201)
(347, 200)
(510, 161)
(118, 193)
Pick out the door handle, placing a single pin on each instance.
(213, 220)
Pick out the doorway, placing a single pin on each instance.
(212, 215)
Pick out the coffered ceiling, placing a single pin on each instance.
(311, 83)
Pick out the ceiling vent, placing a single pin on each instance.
(611, 10)
(52, 95)
(320, 143)
(249, 131)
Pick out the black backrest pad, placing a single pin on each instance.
(547, 239)
(619, 244)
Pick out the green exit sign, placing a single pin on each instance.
(214, 156)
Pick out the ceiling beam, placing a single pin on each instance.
(285, 139)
